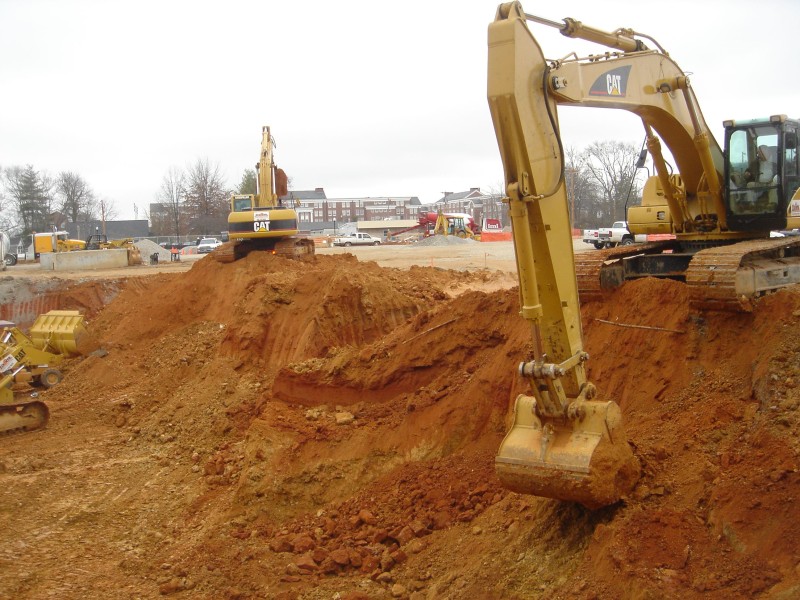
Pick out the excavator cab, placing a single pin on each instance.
(761, 172)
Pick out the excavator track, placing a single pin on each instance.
(729, 277)
(291, 247)
(24, 416)
(592, 268)
(226, 253)
(725, 277)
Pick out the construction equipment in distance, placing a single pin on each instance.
(452, 225)
(34, 359)
(442, 223)
(260, 221)
(99, 241)
(55, 241)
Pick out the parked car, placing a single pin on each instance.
(206, 245)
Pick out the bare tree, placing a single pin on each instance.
(107, 210)
(170, 196)
(205, 198)
(611, 167)
(76, 199)
(582, 191)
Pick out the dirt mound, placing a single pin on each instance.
(283, 429)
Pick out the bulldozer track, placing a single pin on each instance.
(23, 416)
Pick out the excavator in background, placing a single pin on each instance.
(720, 206)
(34, 359)
(260, 221)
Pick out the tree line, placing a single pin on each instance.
(196, 200)
(601, 183)
(32, 200)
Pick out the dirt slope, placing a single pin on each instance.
(326, 429)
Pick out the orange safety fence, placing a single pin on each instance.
(495, 236)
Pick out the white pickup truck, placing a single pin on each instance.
(357, 239)
(608, 237)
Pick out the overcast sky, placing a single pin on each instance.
(364, 99)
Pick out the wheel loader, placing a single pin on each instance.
(34, 359)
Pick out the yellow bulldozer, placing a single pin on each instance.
(100, 241)
(35, 359)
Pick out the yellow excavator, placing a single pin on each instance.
(720, 208)
(260, 221)
(563, 443)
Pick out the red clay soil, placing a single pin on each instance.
(326, 429)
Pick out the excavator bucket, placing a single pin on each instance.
(58, 330)
(585, 460)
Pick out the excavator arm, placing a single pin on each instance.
(563, 444)
(272, 181)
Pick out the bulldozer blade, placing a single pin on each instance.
(586, 460)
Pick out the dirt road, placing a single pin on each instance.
(459, 256)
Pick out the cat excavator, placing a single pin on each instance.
(260, 221)
(564, 443)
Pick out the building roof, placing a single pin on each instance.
(315, 194)
(473, 193)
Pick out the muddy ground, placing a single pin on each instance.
(326, 429)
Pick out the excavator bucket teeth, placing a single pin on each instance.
(587, 461)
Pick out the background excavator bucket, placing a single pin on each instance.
(587, 461)
(58, 330)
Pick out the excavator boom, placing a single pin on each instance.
(563, 444)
